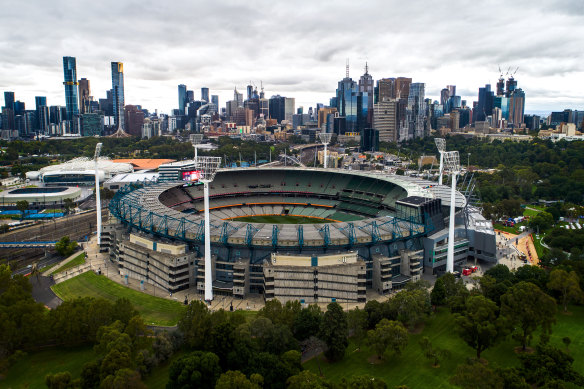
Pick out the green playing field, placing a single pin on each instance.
(281, 219)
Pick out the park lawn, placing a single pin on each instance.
(78, 260)
(530, 212)
(415, 371)
(538, 246)
(154, 310)
(30, 371)
(511, 230)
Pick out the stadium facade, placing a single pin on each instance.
(369, 231)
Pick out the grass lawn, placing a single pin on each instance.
(30, 371)
(277, 219)
(78, 260)
(530, 212)
(511, 230)
(538, 247)
(154, 310)
(415, 371)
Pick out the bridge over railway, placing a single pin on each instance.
(27, 244)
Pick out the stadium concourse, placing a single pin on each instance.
(368, 232)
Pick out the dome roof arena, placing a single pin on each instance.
(348, 208)
(83, 165)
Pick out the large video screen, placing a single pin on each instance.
(191, 175)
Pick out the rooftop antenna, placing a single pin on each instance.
(366, 68)
(347, 71)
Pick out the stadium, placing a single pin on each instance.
(293, 233)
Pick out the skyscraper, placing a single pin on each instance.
(84, 95)
(485, 104)
(9, 100)
(367, 86)
(118, 93)
(42, 113)
(516, 107)
(385, 119)
(416, 111)
(70, 82)
(205, 94)
(215, 100)
(238, 97)
(182, 98)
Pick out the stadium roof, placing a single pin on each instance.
(143, 163)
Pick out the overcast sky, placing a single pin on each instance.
(297, 48)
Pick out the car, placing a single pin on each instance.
(466, 272)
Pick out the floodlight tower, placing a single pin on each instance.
(441, 145)
(325, 139)
(97, 194)
(452, 162)
(207, 167)
(196, 140)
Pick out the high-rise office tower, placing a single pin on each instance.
(510, 86)
(367, 86)
(416, 110)
(385, 119)
(451, 90)
(444, 95)
(182, 98)
(238, 97)
(516, 107)
(118, 93)
(41, 120)
(501, 86)
(70, 82)
(9, 100)
(84, 95)
(215, 100)
(205, 94)
(485, 104)
(249, 91)
(346, 99)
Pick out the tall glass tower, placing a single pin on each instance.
(70, 72)
(182, 98)
(118, 93)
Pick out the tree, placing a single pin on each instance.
(542, 221)
(528, 308)
(69, 205)
(432, 353)
(307, 322)
(196, 370)
(334, 332)
(476, 376)
(22, 206)
(123, 379)
(478, 325)
(65, 246)
(410, 306)
(61, 380)
(195, 323)
(307, 380)
(235, 380)
(549, 365)
(363, 382)
(357, 324)
(567, 284)
(388, 336)
(533, 274)
(500, 273)
(566, 340)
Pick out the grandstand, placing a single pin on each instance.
(375, 215)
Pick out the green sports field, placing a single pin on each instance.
(281, 219)
(154, 310)
(415, 371)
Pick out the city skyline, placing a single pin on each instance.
(296, 54)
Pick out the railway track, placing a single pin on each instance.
(77, 227)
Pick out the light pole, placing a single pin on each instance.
(441, 145)
(452, 162)
(196, 140)
(97, 194)
(325, 138)
(207, 167)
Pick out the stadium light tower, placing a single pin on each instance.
(452, 162)
(97, 194)
(441, 145)
(325, 139)
(207, 166)
(196, 140)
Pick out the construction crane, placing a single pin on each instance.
(97, 194)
